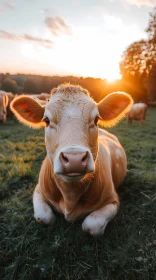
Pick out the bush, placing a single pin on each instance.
(152, 104)
(9, 85)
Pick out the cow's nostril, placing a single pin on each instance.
(85, 157)
(65, 159)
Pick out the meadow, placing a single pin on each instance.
(31, 251)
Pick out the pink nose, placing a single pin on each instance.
(74, 163)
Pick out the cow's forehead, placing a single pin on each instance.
(63, 101)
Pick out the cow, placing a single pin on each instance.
(45, 96)
(3, 107)
(42, 96)
(137, 112)
(42, 102)
(84, 164)
(10, 96)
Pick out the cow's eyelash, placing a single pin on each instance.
(96, 120)
(46, 120)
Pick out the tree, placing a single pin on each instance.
(151, 84)
(134, 60)
(138, 62)
(151, 30)
(30, 86)
(45, 84)
(9, 85)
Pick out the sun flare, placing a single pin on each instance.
(113, 77)
(96, 58)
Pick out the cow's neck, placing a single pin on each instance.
(68, 197)
(72, 192)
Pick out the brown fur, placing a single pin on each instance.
(96, 190)
(3, 107)
(10, 97)
(42, 96)
(72, 121)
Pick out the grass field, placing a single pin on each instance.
(31, 251)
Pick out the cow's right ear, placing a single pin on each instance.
(28, 111)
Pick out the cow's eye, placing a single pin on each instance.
(96, 120)
(46, 120)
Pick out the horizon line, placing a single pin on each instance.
(57, 75)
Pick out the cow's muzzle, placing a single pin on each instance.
(74, 162)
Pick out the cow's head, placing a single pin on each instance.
(71, 132)
(3, 105)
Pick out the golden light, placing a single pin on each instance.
(113, 77)
(93, 50)
(78, 57)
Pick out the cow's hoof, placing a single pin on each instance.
(94, 226)
(46, 217)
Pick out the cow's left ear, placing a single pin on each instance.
(28, 111)
(113, 108)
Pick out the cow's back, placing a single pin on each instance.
(137, 111)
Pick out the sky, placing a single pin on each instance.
(69, 37)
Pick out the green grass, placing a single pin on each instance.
(31, 251)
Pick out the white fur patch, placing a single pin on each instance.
(97, 221)
(67, 215)
(118, 153)
(42, 211)
(72, 112)
(95, 226)
(112, 144)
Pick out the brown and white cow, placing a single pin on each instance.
(84, 164)
(3, 107)
(10, 96)
(45, 96)
(42, 102)
(137, 112)
(42, 96)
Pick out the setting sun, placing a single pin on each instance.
(113, 76)
(70, 56)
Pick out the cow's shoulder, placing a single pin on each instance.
(109, 137)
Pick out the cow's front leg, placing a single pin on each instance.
(97, 221)
(42, 211)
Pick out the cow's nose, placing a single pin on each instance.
(74, 163)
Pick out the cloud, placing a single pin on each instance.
(139, 3)
(58, 25)
(13, 37)
(1, 9)
(7, 35)
(6, 4)
(10, 5)
(113, 23)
